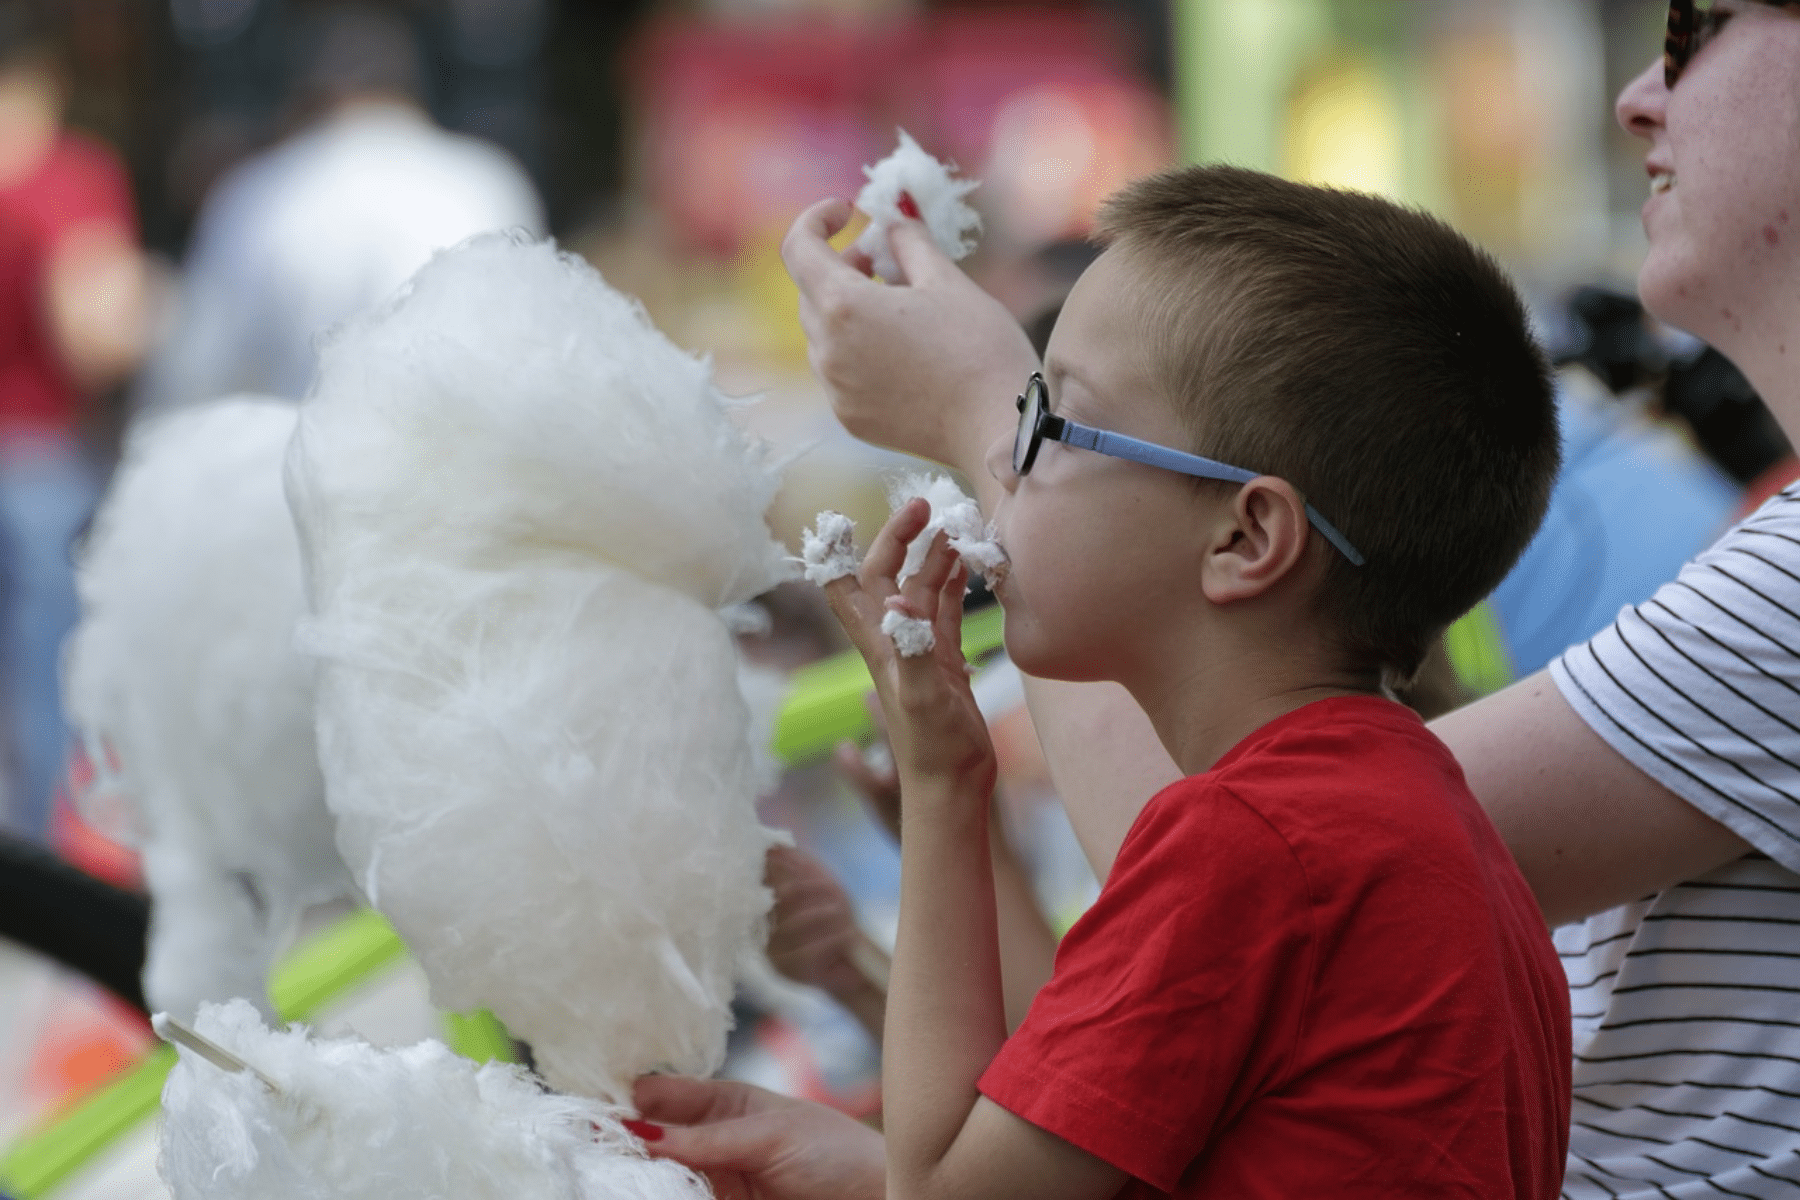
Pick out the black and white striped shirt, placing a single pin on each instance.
(1687, 1004)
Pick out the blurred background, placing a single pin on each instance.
(191, 189)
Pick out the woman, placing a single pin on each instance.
(1648, 782)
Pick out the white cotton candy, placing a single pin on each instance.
(958, 517)
(828, 549)
(351, 1122)
(909, 170)
(522, 508)
(913, 636)
(182, 672)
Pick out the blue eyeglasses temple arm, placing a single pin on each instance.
(1117, 445)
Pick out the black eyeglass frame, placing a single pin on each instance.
(1036, 424)
(1682, 39)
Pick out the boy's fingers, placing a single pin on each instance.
(887, 552)
(858, 612)
(808, 254)
(921, 591)
(950, 611)
(950, 606)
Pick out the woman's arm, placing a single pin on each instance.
(1589, 830)
(930, 366)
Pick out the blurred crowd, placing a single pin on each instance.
(192, 191)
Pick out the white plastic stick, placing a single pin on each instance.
(170, 1030)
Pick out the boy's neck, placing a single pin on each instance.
(1198, 713)
(1210, 695)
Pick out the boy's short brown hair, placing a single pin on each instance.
(1371, 356)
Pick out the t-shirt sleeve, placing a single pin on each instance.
(1177, 996)
(1699, 686)
(94, 187)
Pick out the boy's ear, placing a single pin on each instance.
(1260, 542)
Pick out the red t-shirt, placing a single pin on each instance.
(1313, 971)
(78, 183)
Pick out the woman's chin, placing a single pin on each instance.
(1676, 296)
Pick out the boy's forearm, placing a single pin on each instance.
(946, 1016)
(1027, 942)
(866, 996)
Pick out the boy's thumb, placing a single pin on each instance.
(916, 251)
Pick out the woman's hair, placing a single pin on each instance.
(1371, 356)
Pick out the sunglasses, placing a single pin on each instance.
(1036, 424)
(1692, 24)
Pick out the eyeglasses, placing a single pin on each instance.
(1691, 25)
(1036, 424)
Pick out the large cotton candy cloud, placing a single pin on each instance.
(521, 509)
(197, 710)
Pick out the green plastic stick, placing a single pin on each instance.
(312, 976)
(479, 1035)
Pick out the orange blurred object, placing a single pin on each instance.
(84, 846)
(87, 1039)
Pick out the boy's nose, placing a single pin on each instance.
(999, 462)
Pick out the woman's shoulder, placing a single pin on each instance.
(1760, 554)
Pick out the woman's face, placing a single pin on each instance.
(1723, 217)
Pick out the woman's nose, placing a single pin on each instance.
(1640, 105)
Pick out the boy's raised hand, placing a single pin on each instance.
(938, 735)
(928, 365)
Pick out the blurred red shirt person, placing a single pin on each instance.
(71, 325)
(60, 220)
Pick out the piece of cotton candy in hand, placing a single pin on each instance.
(522, 508)
(913, 636)
(828, 549)
(958, 517)
(196, 707)
(354, 1122)
(936, 197)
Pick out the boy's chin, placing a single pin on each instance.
(1044, 662)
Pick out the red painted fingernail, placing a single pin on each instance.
(908, 206)
(645, 1130)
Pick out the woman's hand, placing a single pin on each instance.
(929, 365)
(752, 1144)
(938, 736)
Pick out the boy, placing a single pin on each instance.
(1313, 968)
